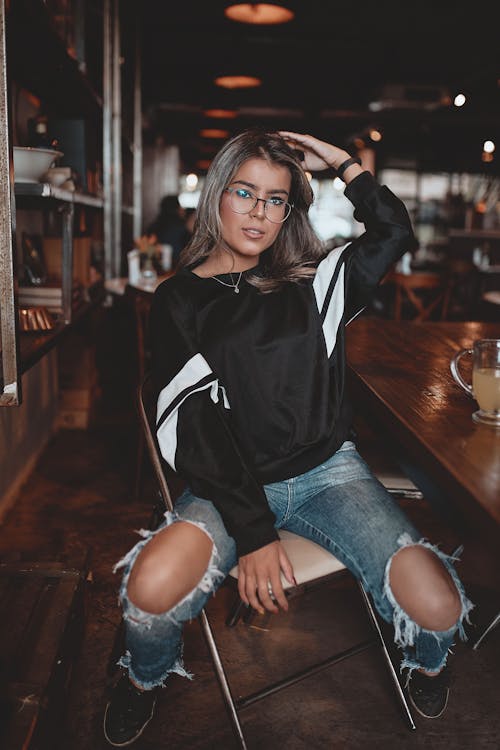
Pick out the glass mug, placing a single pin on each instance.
(485, 379)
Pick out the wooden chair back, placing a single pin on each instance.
(419, 296)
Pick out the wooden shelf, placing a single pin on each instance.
(45, 190)
(33, 345)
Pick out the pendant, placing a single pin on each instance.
(236, 290)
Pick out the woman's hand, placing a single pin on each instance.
(319, 155)
(259, 575)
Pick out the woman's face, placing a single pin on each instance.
(248, 235)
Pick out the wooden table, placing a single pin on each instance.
(399, 377)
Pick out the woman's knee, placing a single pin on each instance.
(169, 567)
(424, 588)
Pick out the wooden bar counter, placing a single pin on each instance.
(399, 378)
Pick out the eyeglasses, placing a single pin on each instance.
(243, 201)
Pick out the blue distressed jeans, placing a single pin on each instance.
(339, 505)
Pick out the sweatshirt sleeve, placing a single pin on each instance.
(388, 235)
(346, 279)
(193, 424)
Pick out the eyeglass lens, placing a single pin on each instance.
(242, 202)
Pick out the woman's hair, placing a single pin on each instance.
(296, 249)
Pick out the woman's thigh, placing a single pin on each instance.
(344, 508)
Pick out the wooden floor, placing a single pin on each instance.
(80, 497)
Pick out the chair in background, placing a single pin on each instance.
(419, 296)
(312, 564)
(462, 289)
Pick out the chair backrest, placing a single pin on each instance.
(140, 304)
(418, 296)
(147, 413)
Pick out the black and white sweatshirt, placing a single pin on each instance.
(252, 386)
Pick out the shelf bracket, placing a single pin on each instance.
(68, 211)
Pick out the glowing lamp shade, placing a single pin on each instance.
(214, 133)
(258, 13)
(238, 82)
(223, 114)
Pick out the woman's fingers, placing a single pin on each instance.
(278, 592)
(242, 586)
(259, 579)
(286, 567)
(265, 590)
(318, 155)
(247, 589)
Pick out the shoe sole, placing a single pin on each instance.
(426, 716)
(132, 739)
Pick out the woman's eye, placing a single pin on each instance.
(276, 201)
(241, 193)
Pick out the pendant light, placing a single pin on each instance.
(237, 82)
(259, 13)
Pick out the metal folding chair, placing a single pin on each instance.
(311, 563)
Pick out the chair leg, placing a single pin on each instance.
(221, 677)
(235, 613)
(493, 624)
(392, 671)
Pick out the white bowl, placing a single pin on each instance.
(30, 164)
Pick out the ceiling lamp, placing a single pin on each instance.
(223, 114)
(214, 133)
(237, 82)
(258, 13)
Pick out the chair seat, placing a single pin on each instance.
(309, 560)
(394, 481)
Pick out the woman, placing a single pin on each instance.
(248, 352)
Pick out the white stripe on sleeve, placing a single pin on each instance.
(321, 285)
(173, 395)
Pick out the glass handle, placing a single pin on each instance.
(454, 367)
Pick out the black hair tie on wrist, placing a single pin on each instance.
(347, 163)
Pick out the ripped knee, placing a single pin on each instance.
(424, 590)
(168, 565)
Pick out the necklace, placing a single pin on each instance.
(232, 285)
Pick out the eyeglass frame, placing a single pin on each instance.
(265, 201)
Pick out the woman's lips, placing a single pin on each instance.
(254, 234)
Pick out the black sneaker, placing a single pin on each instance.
(429, 695)
(128, 713)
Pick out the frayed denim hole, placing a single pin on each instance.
(405, 629)
(411, 665)
(128, 560)
(177, 668)
(208, 583)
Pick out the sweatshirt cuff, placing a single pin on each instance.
(254, 536)
(360, 187)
